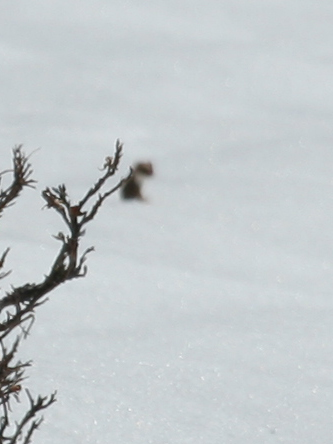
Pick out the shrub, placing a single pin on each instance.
(18, 306)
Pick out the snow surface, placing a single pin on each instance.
(206, 316)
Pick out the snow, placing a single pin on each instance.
(206, 316)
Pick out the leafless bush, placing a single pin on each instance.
(17, 307)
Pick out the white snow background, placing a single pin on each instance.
(206, 315)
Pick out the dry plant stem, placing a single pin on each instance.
(22, 172)
(18, 306)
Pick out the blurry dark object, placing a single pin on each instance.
(131, 189)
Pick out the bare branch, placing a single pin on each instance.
(110, 167)
(36, 405)
(2, 262)
(17, 306)
(101, 198)
(22, 172)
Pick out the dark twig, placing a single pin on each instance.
(22, 172)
